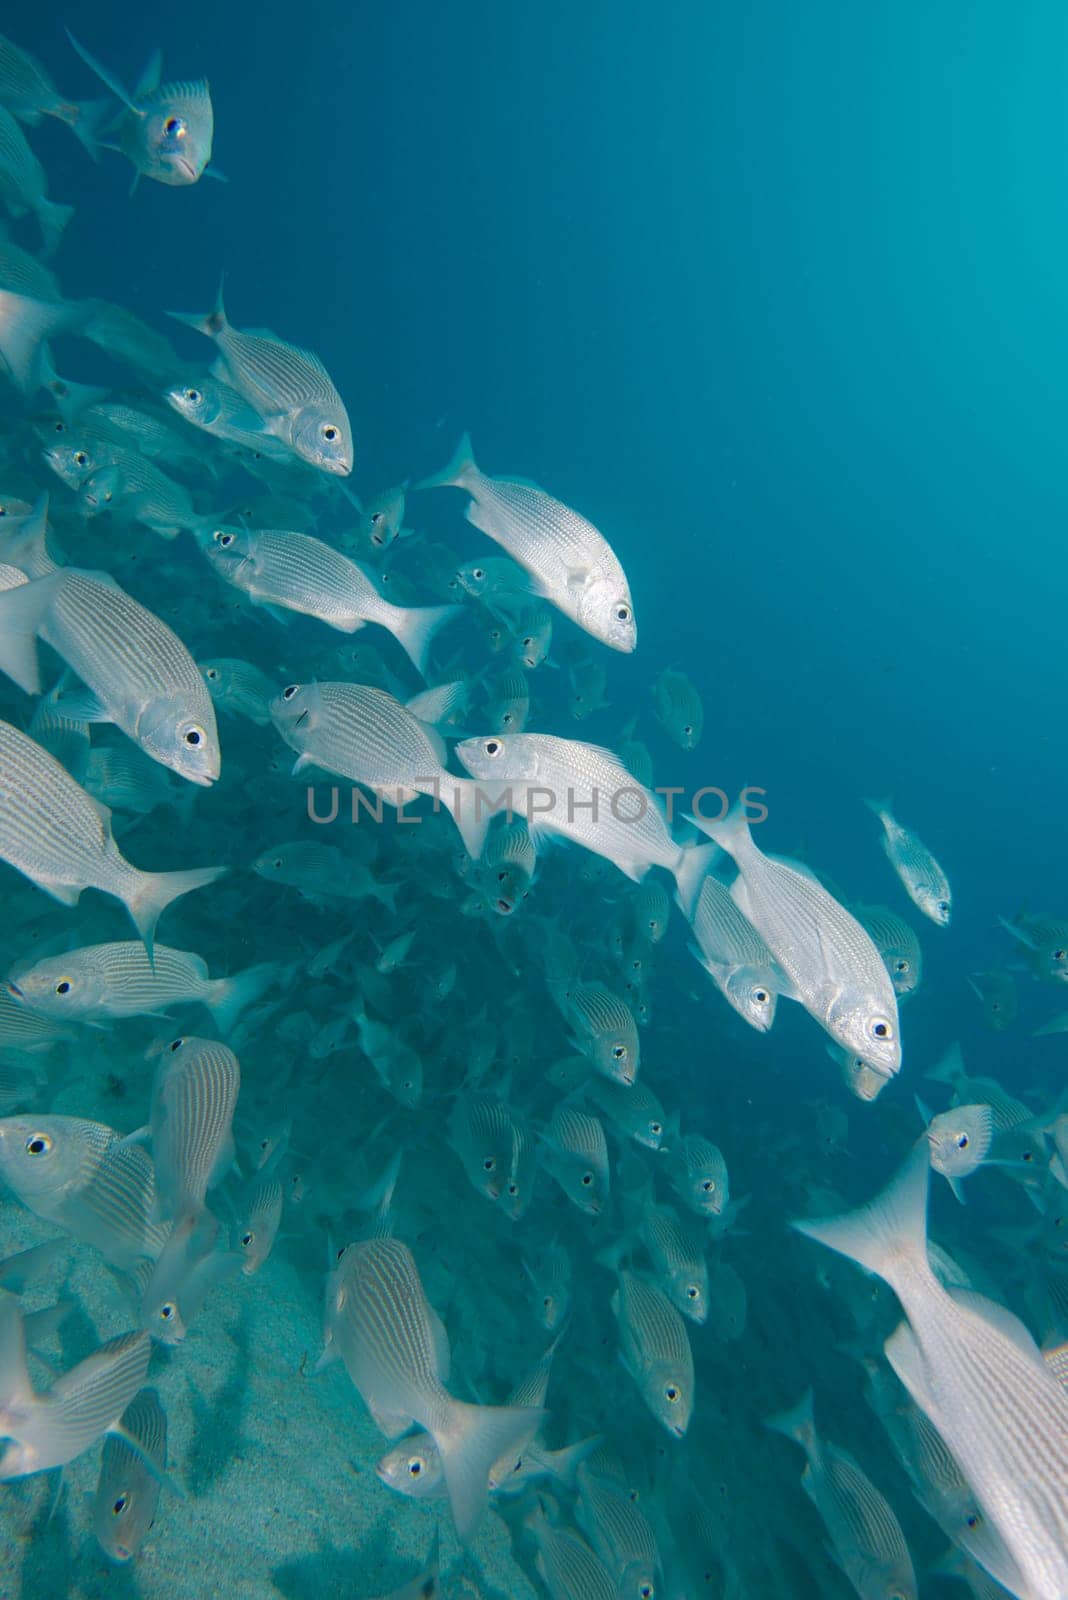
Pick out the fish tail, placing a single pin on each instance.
(470, 811)
(22, 611)
(153, 892)
(692, 868)
(890, 1232)
(209, 322)
(415, 628)
(731, 832)
(473, 1439)
(15, 1385)
(53, 217)
(798, 1424)
(882, 808)
(230, 996)
(25, 324)
(564, 1464)
(950, 1069)
(457, 471)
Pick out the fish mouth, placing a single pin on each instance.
(187, 168)
(340, 469)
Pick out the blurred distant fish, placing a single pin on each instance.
(226, 414)
(164, 130)
(923, 879)
(575, 1153)
(567, 1566)
(28, 92)
(257, 1226)
(509, 704)
(23, 185)
(379, 524)
(998, 997)
(633, 1108)
(697, 1172)
(1046, 941)
(188, 1267)
(571, 563)
(239, 688)
(288, 387)
(550, 1283)
(896, 943)
(678, 708)
(128, 1490)
(588, 681)
(54, 834)
(321, 872)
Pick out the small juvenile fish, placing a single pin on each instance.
(500, 584)
(508, 706)
(54, 834)
(620, 1533)
(697, 1172)
(734, 955)
(321, 872)
(1046, 941)
(239, 688)
(179, 1281)
(998, 996)
(922, 878)
(566, 1564)
(676, 1250)
(588, 682)
(571, 563)
(507, 863)
(261, 1214)
(164, 130)
(655, 1349)
(191, 1122)
(119, 980)
(550, 1283)
(288, 387)
(650, 908)
(678, 708)
(896, 943)
(482, 1131)
(960, 1140)
(604, 1029)
(532, 639)
(634, 1108)
(575, 1153)
(48, 1430)
(227, 415)
(127, 1491)
(380, 522)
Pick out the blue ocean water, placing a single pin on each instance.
(773, 295)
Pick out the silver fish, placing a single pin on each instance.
(678, 708)
(127, 1491)
(261, 1213)
(300, 573)
(896, 943)
(571, 563)
(655, 1349)
(23, 183)
(164, 130)
(734, 955)
(239, 688)
(188, 1267)
(922, 878)
(697, 1172)
(289, 388)
(633, 1108)
(604, 1030)
(191, 1122)
(575, 1153)
(54, 834)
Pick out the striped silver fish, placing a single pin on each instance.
(128, 1490)
(620, 1534)
(239, 688)
(567, 1565)
(48, 1430)
(25, 1030)
(697, 1171)
(378, 1319)
(974, 1369)
(367, 736)
(164, 130)
(921, 877)
(299, 573)
(571, 562)
(482, 1131)
(289, 388)
(864, 1533)
(23, 180)
(678, 708)
(655, 1349)
(84, 1177)
(604, 1030)
(633, 1108)
(54, 834)
(191, 1122)
(134, 489)
(119, 980)
(896, 942)
(255, 1232)
(27, 90)
(575, 1153)
(835, 970)
(676, 1250)
(734, 955)
(175, 1286)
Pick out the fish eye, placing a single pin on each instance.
(167, 1310)
(63, 986)
(377, 516)
(972, 1520)
(247, 1238)
(1059, 955)
(646, 1592)
(529, 641)
(709, 1186)
(587, 1179)
(513, 1189)
(692, 1292)
(38, 1144)
(943, 905)
(175, 126)
(760, 996)
(489, 1164)
(879, 1028)
(194, 396)
(547, 1303)
(962, 1141)
(657, 1128)
(901, 964)
(673, 1393)
(175, 1044)
(478, 573)
(416, 1465)
(289, 691)
(194, 736)
(212, 673)
(493, 747)
(688, 729)
(623, 615)
(329, 432)
(619, 1052)
(80, 458)
(120, 1504)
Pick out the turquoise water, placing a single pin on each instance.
(774, 298)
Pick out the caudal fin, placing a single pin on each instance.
(691, 870)
(22, 611)
(15, 1386)
(456, 471)
(230, 996)
(473, 1439)
(470, 808)
(210, 322)
(890, 1232)
(53, 218)
(415, 627)
(25, 324)
(153, 892)
(798, 1424)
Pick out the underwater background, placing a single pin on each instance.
(774, 295)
